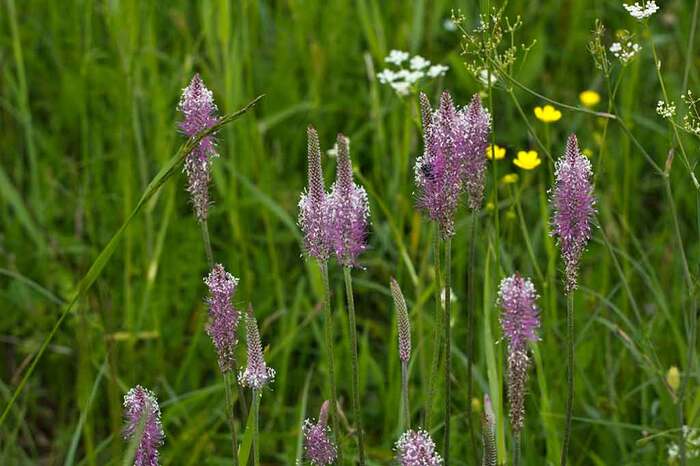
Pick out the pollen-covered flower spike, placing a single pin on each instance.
(476, 142)
(403, 322)
(313, 205)
(223, 317)
(519, 323)
(142, 416)
(198, 107)
(416, 448)
(348, 211)
(453, 159)
(488, 433)
(573, 204)
(319, 449)
(256, 374)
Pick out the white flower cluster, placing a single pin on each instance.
(643, 11)
(692, 445)
(625, 51)
(665, 110)
(691, 120)
(487, 78)
(403, 79)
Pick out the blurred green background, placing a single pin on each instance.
(88, 95)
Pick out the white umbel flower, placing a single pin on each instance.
(396, 57)
(418, 63)
(643, 10)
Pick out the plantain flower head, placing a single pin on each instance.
(319, 449)
(313, 205)
(223, 317)
(256, 374)
(142, 416)
(404, 325)
(416, 448)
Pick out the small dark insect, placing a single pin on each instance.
(427, 170)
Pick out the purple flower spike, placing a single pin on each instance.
(141, 410)
(519, 322)
(574, 206)
(256, 374)
(478, 129)
(198, 107)
(416, 448)
(404, 325)
(348, 211)
(318, 446)
(223, 318)
(313, 205)
(453, 160)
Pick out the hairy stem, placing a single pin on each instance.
(207, 243)
(448, 342)
(228, 384)
(569, 375)
(355, 370)
(437, 346)
(404, 396)
(517, 452)
(471, 310)
(256, 426)
(330, 352)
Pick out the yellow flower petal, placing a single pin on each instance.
(547, 114)
(510, 178)
(527, 160)
(589, 98)
(495, 152)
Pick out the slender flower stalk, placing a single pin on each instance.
(348, 225)
(319, 449)
(256, 375)
(488, 434)
(222, 328)
(519, 322)
(416, 448)
(404, 332)
(314, 223)
(142, 416)
(200, 112)
(573, 204)
(448, 352)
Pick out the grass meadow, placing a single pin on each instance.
(102, 289)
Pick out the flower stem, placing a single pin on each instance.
(207, 243)
(448, 342)
(330, 352)
(404, 396)
(230, 416)
(355, 370)
(516, 449)
(471, 309)
(436, 334)
(570, 374)
(256, 427)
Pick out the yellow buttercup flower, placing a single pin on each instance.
(547, 114)
(589, 98)
(527, 160)
(510, 178)
(495, 152)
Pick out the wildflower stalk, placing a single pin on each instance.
(516, 449)
(355, 386)
(436, 334)
(330, 351)
(471, 302)
(256, 426)
(569, 374)
(448, 342)
(404, 396)
(229, 382)
(207, 243)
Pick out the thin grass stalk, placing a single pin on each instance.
(330, 352)
(207, 243)
(404, 396)
(517, 452)
(471, 303)
(448, 342)
(436, 333)
(228, 384)
(569, 375)
(256, 426)
(355, 369)
(98, 265)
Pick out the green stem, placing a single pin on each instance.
(471, 310)
(404, 396)
(436, 333)
(330, 352)
(355, 369)
(448, 342)
(256, 426)
(570, 375)
(230, 415)
(207, 243)
(517, 452)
